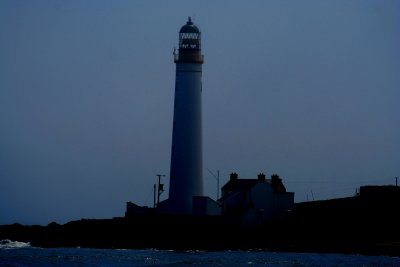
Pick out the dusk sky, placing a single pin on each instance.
(306, 89)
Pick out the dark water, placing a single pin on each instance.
(20, 254)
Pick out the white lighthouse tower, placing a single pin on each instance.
(186, 154)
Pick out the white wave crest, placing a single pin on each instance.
(8, 244)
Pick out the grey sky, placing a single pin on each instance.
(306, 89)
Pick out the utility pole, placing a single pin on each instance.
(217, 178)
(218, 185)
(396, 181)
(160, 188)
(154, 195)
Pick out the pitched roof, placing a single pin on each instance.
(240, 184)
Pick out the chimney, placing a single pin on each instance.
(261, 177)
(276, 183)
(275, 178)
(233, 176)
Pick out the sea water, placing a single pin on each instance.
(22, 254)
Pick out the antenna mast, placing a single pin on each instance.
(217, 178)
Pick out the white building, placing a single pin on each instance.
(256, 200)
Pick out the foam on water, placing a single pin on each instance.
(8, 244)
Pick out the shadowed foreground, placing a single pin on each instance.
(349, 225)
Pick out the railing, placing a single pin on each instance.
(195, 57)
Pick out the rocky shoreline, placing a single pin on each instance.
(339, 226)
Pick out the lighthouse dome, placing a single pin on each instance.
(189, 27)
(189, 37)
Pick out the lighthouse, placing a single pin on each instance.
(186, 153)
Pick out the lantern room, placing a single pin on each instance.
(189, 37)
